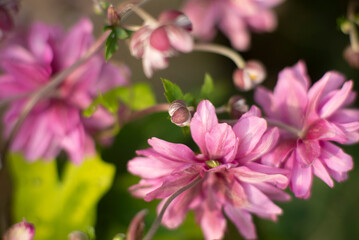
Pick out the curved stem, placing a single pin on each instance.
(284, 126)
(48, 89)
(136, 8)
(353, 34)
(163, 107)
(221, 50)
(158, 220)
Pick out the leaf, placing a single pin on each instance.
(111, 44)
(59, 207)
(136, 97)
(207, 87)
(172, 91)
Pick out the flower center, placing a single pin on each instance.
(212, 163)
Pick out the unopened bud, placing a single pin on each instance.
(237, 106)
(78, 235)
(112, 16)
(22, 230)
(137, 226)
(180, 115)
(346, 26)
(352, 57)
(250, 76)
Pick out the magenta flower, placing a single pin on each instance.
(234, 18)
(310, 119)
(230, 180)
(56, 122)
(157, 41)
(22, 230)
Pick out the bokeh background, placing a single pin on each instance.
(306, 30)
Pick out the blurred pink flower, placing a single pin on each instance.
(155, 42)
(234, 17)
(56, 122)
(250, 76)
(231, 181)
(20, 231)
(310, 119)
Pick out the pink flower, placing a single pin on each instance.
(230, 180)
(310, 119)
(56, 122)
(22, 230)
(155, 42)
(234, 18)
(250, 76)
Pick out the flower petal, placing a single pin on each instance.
(301, 180)
(243, 221)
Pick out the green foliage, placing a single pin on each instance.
(112, 40)
(207, 87)
(174, 92)
(58, 207)
(136, 97)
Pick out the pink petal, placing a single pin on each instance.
(263, 20)
(336, 100)
(279, 154)
(265, 144)
(266, 100)
(273, 192)
(301, 180)
(180, 39)
(202, 122)
(76, 43)
(173, 183)
(221, 143)
(153, 60)
(320, 171)
(243, 221)
(244, 174)
(335, 158)
(307, 151)
(111, 76)
(176, 152)
(139, 41)
(260, 204)
(74, 144)
(324, 130)
(249, 131)
(159, 39)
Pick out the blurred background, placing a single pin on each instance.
(306, 30)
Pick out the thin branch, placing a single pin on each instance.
(221, 50)
(163, 107)
(48, 89)
(158, 220)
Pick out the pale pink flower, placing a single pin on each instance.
(250, 76)
(234, 17)
(20, 231)
(231, 182)
(56, 122)
(310, 119)
(157, 41)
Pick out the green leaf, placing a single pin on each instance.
(58, 207)
(172, 91)
(207, 87)
(111, 44)
(122, 33)
(136, 97)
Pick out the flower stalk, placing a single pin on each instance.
(158, 220)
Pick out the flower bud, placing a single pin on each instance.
(22, 230)
(180, 115)
(250, 76)
(351, 57)
(78, 235)
(112, 16)
(137, 226)
(237, 106)
(119, 236)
